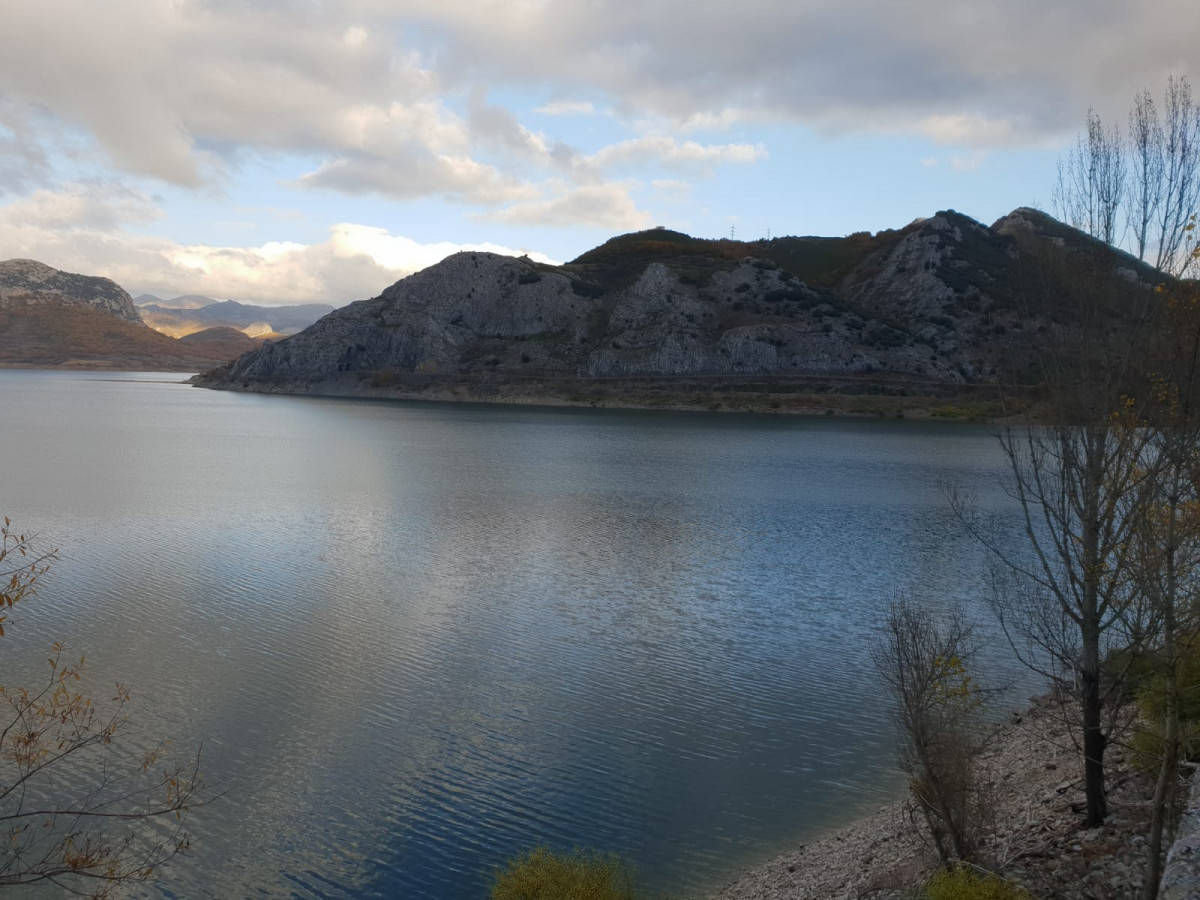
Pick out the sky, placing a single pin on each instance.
(283, 152)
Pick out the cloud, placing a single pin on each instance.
(597, 206)
(419, 175)
(968, 162)
(401, 254)
(865, 66)
(567, 108)
(100, 206)
(67, 230)
(498, 127)
(162, 86)
(23, 159)
(669, 152)
(972, 130)
(175, 89)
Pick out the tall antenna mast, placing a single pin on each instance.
(732, 232)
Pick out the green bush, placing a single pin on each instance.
(962, 883)
(542, 875)
(1151, 687)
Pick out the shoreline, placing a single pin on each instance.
(879, 400)
(1034, 774)
(872, 401)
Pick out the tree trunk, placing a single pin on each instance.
(1168, 770)
(1167, 773)
(1094, 744)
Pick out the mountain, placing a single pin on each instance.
(942, 305)
(228, 343)
(54, 318)
(26, 282)
(180, 321)
(187, 301)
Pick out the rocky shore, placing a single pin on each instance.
(1034, 772)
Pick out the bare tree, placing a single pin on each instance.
(1146, 188)
(1074, 484)
(1144, 197)
(1180, 174)
(1091, 181)
(1167, 542)
(924, 662)
(79, 807)
(1064, 593)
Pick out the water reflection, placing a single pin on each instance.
(417, 638)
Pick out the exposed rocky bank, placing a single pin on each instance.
(1035, 773)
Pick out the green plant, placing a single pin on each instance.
(1147, 741)
(964, 883)
(541, 874)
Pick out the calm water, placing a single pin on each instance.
(416, 638)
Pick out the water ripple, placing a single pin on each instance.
(416, 639)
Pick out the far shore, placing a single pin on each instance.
(752, 394)
(977, 404)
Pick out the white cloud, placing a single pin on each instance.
(82, 205)
(670, 152)
(972, 130)
(597, 206)
(461, 178)
(354, 263)
(401, 254)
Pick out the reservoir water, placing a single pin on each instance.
(415, 639)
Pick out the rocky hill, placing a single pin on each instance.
(943, 304)
(54, 318)
(26, 282)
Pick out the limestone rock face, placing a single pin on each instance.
(26, 282)
(942, 301)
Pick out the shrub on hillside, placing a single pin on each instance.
(1147, 742)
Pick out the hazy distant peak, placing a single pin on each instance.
(187, 301)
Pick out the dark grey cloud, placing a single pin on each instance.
(1023, 69)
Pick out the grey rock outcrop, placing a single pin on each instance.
(26, 282)
(939, 302)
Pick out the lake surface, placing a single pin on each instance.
(417, 638)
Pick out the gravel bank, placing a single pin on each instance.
(1035, 773)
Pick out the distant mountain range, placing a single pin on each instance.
(191, 313)
(943, 304)
(54, 318)
(187, 301)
